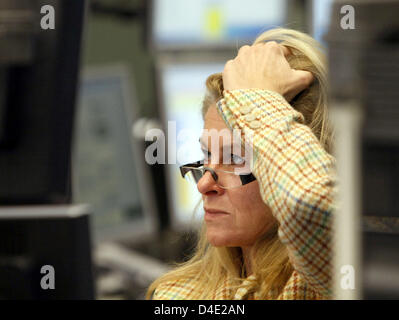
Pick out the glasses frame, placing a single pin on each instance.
(245, 178)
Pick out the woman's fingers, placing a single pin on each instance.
(265, 66)
(300, 81)
(286, 51)
(243, 49)
(305, 78)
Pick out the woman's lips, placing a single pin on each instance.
(214, 213)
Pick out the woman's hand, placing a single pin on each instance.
(264, 66)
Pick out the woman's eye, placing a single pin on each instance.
(236, 159)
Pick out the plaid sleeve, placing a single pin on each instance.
(295, 175)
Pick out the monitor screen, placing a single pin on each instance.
(182, 92)
(321, 10)
(108, 164)
(45, 252)
(179, 23)
(37, 102)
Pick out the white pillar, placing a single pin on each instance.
(347, 121)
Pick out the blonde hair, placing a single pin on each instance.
(211, 266)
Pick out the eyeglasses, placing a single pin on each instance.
(224, 178)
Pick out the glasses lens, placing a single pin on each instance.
(226, 179)
(196, 174)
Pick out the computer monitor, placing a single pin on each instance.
(213, 23)
(320, 11)
(380, 261)
(182, 89)
(45, 252)
(109, 171)
(37, 102)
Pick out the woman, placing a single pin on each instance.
(267, 236)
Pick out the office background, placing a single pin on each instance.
(121, 222)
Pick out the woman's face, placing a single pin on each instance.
(234, 217)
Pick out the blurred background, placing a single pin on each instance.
(77, 101)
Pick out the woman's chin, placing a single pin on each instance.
(217, 239)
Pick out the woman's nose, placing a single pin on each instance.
(208, 184)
